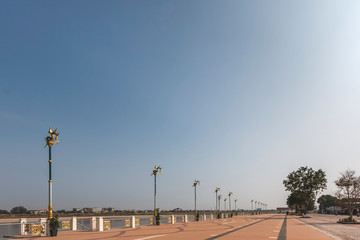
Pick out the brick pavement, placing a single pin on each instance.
(258, 227)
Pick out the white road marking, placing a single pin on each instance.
(273, 237)
(213, 235)
(227, 222)
(155, 236)
(276, 231)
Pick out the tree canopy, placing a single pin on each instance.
(326, 201)
(348, 190)
(19, 210)
(4, 211)
(304, 184)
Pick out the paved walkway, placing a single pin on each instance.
(264, 227)
(327, 223)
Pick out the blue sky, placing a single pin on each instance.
(236, 94)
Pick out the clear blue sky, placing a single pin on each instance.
(236, 94)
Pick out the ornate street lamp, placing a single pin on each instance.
(196, 182)
(157, 169)
(235, 205)
(216, 198)
(225, 203)
(252, 203)
(52, 139)
(219, 198)
(230, 193)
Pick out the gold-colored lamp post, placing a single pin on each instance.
(157, 169)
(52, 139)
(196, 182)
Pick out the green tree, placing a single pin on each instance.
(311, 205)
(4, 211)
(326, 201)
(295, 201)
(348, 190)
(19, 210)
(307, 183)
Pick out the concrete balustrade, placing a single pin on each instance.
(133, 222)
(73, 223)
(93, 223)
(45, 223)
(22, 221)
(97, 223)
(100, 224)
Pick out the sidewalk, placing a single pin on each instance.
(297, 230)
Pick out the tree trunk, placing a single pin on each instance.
(351, 214)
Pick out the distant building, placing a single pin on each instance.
(177, 210)
(77, 210)
(108, 209)
(34, 211)
(283, 209)
(96, 210)
(87, 210)
(41, 211)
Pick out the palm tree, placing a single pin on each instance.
(196, 182)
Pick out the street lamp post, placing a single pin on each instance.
(216, 199)
(235, 206)
(252, 203)
(225, 204)
(219, 198)
(196, 182)
(52, 139)
(230, 193)
(157, 169)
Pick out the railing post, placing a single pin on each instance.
(100, 224)
(44, 222)
(172, 219)
(22, 227)
(133, 221)
(73, 224)
(204, 217)
(93, 223)
(185, 218)
(211, 217)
